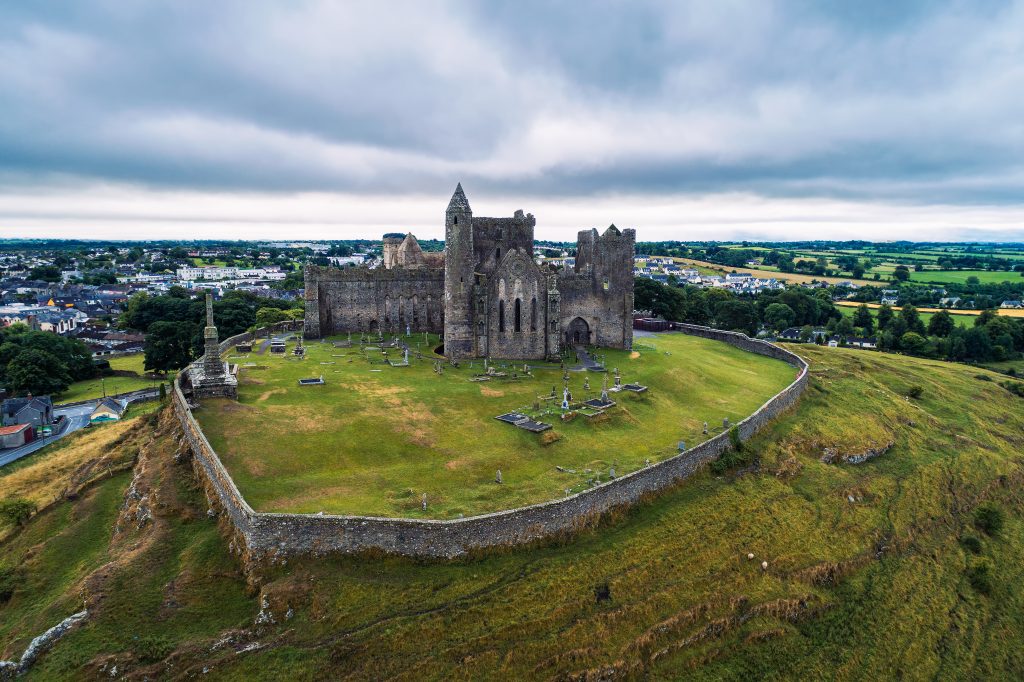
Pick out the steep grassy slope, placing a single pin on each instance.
(870, 575)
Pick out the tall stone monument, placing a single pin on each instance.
(212, 377)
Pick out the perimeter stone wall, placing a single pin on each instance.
(271, 534)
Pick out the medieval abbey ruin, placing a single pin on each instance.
(485, 294)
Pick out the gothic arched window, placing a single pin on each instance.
(501, 316)
(519, 316)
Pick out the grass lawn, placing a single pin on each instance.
(94, 388)
(375, 438)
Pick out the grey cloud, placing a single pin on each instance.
(906, 101)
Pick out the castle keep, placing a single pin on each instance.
(486, 294)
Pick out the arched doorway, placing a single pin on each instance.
(578, 333)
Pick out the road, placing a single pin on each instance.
(77, 418)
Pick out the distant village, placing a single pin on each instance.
(82, 295)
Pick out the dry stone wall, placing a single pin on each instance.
(271, 534)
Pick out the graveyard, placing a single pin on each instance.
(350, 425)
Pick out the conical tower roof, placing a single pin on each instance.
(459, 201)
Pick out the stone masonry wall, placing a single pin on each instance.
(290, 534)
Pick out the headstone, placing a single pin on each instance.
(424, 502)
(705, 428)
(497, 477)
(611, 472)
(725, 423)
(586, 384)
(408, 330)
(682, 446)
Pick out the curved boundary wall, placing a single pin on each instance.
(270, 534)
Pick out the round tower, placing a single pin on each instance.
(458, 277)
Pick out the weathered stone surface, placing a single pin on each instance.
(47, 639)
(277, 535)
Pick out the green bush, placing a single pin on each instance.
(982, 377)
(17, 510)
(979, 573)
(971, 543)
(989, 519)
(1014, 387)
(153, 648)
(735, 457)
(915, 392)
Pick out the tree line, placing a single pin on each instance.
(173, 322)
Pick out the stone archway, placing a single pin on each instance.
(577, 333)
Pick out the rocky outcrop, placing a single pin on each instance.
(10, 669)
(833, 456)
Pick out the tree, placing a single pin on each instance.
(169, 345)
(268, 316)
(857, 271)
(844, 328)
(973, 279)
(34, 370)
(863, 318)
(46, 273)
(913, 343)
(779, 316)
(901, 273)
(885, 316)
(910, 315)
(736, 315)
(941, 324)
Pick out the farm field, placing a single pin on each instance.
(965, 320)
(1008, 312)
(872, 568)
(757, 272)
(960, 276)
(309, 448)
(94, 388)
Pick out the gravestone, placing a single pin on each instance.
(497, 477)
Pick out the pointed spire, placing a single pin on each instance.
(459, 201)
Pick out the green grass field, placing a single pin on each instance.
(94, 388)
(309, 449)
(960, 276)
(869, 575)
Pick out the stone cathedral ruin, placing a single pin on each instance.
(486, 294)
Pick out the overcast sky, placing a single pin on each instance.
(874, 119)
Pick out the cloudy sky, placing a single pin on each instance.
(687, 120)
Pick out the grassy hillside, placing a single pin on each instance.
(877, 570)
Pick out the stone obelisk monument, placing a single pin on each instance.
(212, 378)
